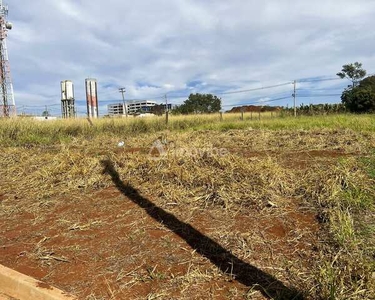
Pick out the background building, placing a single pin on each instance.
(134, 107)
(140, 106)
(116, 109)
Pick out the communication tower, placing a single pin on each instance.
(7, 103)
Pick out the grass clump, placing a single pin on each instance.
(348, 268)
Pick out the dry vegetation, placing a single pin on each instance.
(292, 198)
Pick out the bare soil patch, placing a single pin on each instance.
(104, 245)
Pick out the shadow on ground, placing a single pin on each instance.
(254, 278)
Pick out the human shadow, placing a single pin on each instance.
(254, 278)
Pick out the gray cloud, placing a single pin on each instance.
(156, 47)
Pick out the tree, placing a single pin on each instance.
(158, 109)
(368, 82)
(360, 99)
(45, 113)
(353, 72)
(199, 103)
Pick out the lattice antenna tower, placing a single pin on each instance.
(7, 103)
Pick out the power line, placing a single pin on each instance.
(258, 89)
(322, 95)
(255, 89)
(318, 80)
(41, 105)
(108, 93)
(326, 79)
(128, 100)
(323, 89)
(279, 99)
(161, 96)
(257, 102)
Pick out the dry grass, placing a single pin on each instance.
(28, 132)
(268, 176)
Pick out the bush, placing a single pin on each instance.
(360, 99)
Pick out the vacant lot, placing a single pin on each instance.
(279, 208)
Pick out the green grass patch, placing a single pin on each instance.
(369, 164)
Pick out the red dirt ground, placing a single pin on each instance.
(103, 246)
(126, 244)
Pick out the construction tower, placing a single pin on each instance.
(92, 98)
(7, 104)
(67, 99)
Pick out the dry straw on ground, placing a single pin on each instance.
(297, 204)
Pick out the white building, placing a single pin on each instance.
(133, 107)
(116, 109)
(140, 106)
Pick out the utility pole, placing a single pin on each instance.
(166, 110)
(122, 91)
(167, 117)
(166, 103)
(295, 98)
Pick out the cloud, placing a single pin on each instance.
(183, 46)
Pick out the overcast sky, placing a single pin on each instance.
(184, 46)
